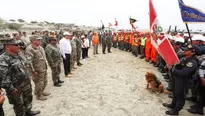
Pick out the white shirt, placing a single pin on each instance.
(65, 47)
(85, 44)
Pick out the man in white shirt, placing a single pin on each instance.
(65, 49)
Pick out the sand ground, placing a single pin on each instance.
(106, 85)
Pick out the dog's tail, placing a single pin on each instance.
(166, 91)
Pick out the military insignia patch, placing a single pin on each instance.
(189, 64)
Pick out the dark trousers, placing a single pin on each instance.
(200, 103)
(142, 51)
(84, 52)
(115, 44)
(1, 111)
(179, 87)
(103, 47)
(87, 52)
(66, 63)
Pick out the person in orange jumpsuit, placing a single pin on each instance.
(148, 48)
(115, 40)
(154, 55)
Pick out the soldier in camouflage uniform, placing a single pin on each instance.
(109, 42)
(103, 41)
(78, 49)
(37, 60)
(45, 39)
(14, 73)
(54, 60)
(73, 54)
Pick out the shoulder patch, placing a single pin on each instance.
(189, 64)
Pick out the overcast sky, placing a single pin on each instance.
(90, 12)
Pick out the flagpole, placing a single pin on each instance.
(187, 27)
(175, 29)
(169, 29)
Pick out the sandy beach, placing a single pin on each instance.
(106, 85)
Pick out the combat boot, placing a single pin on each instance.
(57, 85)
(41, 97)
(172, 112)
(60, 81)
(168, 105)
(46, 93)
(32, 113)
(196, 111)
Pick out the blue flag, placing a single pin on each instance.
(190, 14)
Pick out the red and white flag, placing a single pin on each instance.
(159, 41)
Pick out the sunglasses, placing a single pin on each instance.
(53, 40)
(15, 44)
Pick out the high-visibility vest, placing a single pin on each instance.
(136, 42)
(143, 41)
(95, 39)
(114, 38)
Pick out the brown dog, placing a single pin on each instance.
(155, 84)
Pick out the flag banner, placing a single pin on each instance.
(132, 20)
(190, 14)
(102, 28)
(160, 41)
(116, 23)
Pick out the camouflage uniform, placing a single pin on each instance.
(37, 60)
(15, 75)
(54, 60)
(45, 40)
(109, 42)
(103, 41)
(78, 48)
(73, 54)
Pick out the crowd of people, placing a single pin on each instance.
(25, 58)
(187, 75)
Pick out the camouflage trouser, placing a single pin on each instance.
(78, 55)
(109, 45)
(40, 83)
(55, 73)
(73, 59)
(22, 101)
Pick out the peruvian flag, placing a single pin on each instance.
(160, 41)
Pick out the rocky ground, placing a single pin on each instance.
(106, 85)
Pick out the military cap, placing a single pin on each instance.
(35, 37)
(189, 48)
(53, 38)
(1, 36)
(10, 41)
(7, 35)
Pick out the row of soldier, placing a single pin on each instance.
(24, 58)
(187, 75)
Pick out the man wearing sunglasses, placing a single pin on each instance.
(53, 56)
(14, 73)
